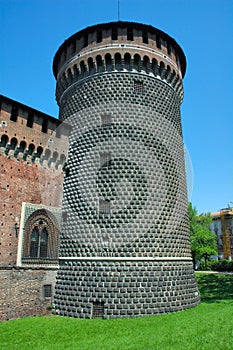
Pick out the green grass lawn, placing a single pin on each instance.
(208, 326)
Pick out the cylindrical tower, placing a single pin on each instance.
(124, 248)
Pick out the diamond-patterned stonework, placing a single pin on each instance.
(124, 247)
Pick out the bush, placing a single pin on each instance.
(222, 265)
(216, 265)
(205, 266)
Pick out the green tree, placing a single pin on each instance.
(203, 241)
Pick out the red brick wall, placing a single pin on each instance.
(22, 181)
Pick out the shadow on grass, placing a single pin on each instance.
(215, 287)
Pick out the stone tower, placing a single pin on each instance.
(124, 248)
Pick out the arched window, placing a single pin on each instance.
(39, 151)
(4, 140)
(76, 71)
(146, 63)
(99, 61)
(155, 66)
(118, 61)
(47, 154)
(22, 146)
(55, 155)
(14, 143)
(39, 241)
(62, 158)
(127, 59)
(69, 75)
(82, 67)
(161, 70)
(34, 242)
(137, 60)
(31, 149)
(168, 71)
(90, 64)
(108, 61)
(40, 238)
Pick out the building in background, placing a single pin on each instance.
(222, 227)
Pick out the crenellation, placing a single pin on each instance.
(22, 141)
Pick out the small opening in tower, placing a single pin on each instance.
(104, 208)
(105, 158)
(145, 37)
(130, 34)
(106, 120)
(98, 309)
(114, 34)
(30, 120)
(47, 290)
(14, 114)
(64, 216)
(138, 87)
(99, 36)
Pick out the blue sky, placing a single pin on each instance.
(32, 31)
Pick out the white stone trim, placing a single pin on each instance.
(125, 258)
(20, 240)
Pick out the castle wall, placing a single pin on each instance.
(32, 155)
(22, 291)
(22, 181)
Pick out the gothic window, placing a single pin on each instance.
(40, 237)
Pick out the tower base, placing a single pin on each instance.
(115, 289)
